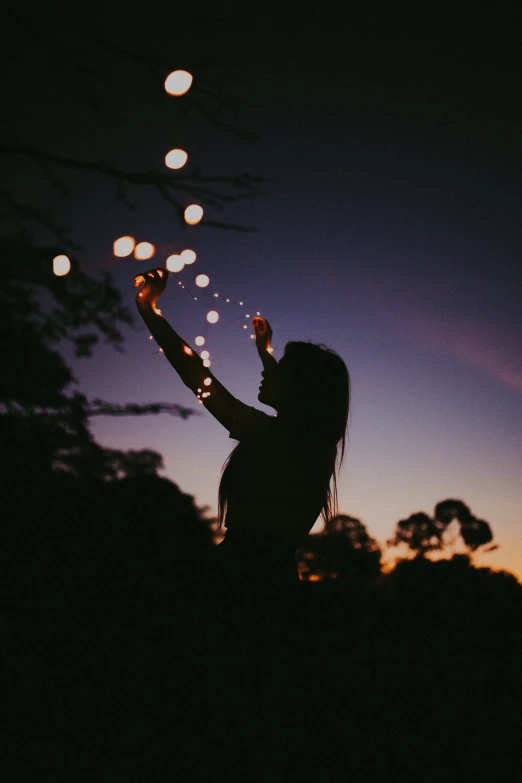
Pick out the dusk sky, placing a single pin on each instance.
(392, 234)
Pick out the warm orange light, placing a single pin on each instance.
(188, 350)
(123, 246)
(61, 266)
(199, 340)
(174, 263)
(314, 578)
(202, 281)
(205, 354)
(144, 250)
(188, 256)
(207, 381)
(176, 159)
(138, 280)
(270, 350)
(213, 317)
(193, 214)
(178, 82)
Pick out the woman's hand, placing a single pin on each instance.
(152, 283)
(263, 332)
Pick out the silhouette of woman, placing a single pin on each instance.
(282, 474)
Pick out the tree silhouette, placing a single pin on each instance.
(422, 534)
(345, 552)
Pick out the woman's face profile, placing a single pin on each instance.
(275, 386)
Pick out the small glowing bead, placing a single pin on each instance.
(188, 350)
(228, 300)
(212, 317)
(206, 362)
(207, 381)
(205, 355)
(241, 303)
(61, 265)
(199, 390)
(216, 295)
(245, 326)
(252, 337)
(199, 340)
(258, 313)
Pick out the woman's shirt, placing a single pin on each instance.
(275, 480)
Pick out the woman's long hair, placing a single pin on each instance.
(319, 387)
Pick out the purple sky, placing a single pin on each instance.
(392, 235)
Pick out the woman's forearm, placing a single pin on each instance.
(187, 363)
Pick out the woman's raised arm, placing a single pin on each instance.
(187, 363)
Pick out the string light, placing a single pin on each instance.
(178, 82)
(144, 250)
(174, 263)
(188, 256)
(193, 214)
(176, 159)
(205, 355)
(206, 362)
(212, 316)
(61, 265)
(199, 340)
(188, 350)
(123, 246)
(207, 381)
(202, 281)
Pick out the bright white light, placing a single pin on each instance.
(206, 362)
(188, 350)
(123, 246)
(174, 263)
(193, 214)
(199, 340)
(205, 354)
(61, 266)
(176, 159)
(202, 281)
(212, 317)
(144, 250)
(188, 256)
(178, 82)
(207, 381)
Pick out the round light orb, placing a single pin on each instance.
(174, 263)
(199, 340)
(207, 381)
(144, 250)
(188, 256)
(206, 362)
(205, 354)
(61, 266)
(123, 246)
(193, 214)
(178, 82)
(202, 281)
(213, 317)
(176, 159)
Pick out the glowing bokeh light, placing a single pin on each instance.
(202, 281)
(188, 256)
(61, 266)
(206, 362)
(205, 354)
(174, 263)
(188, 350)
(193, 214)
(123, 246)
(144, 250)
(213, 317)
(178, 82)
(199, 340)
(176, 159)
(207, 381)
